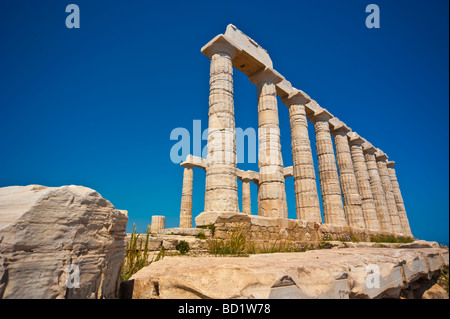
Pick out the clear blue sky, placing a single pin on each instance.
(95, 106)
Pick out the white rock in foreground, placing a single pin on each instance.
(329, 273)
(43, 230)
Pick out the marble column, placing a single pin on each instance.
(363, 180)
(349, 186)
(333, 209)
(379, 195)
(306, 196)
(221, 181)
(272, 191)
(399, 199)
(381, 159)
(246, 197)
(186, 197)
(158, 223)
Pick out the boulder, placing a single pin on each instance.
(59, 242)
(435, 292)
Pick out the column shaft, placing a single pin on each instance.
(306, 196)
(363, 179)
(158, 223)
(246, 198)
(186, 198)
(399, 200)
(390, 200)
(349, 186)
(221, 181)
(333, 209)
(379, 195)
(272, 192)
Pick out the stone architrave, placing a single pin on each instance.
(221, 181)
(381, 159)
(272, 191)
(306, 196)
(363, 180)
(333, 209)
(349, 185)
(379, 195)
(186, 197)
(399, 199)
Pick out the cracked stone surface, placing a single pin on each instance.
(328, 273)
(43, 230)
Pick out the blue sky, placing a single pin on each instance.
(95, 106)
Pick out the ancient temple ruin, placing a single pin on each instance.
(358, 184)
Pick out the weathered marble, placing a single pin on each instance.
(349, 186)
(272, 191)
(363, 180)
(381, 159)
(399, 199)
(306, 196)
(379, 195)
(49, 235)
(186, 197)
(221, 183)
(333, 208)
(329, 273)
(158, 223)
(246, 197)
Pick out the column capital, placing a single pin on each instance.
(220, 44)
(338, 127)
(380, 155)
(297, 97)
(320, 115)
(354, 138)
(390, 164)
(266, 74)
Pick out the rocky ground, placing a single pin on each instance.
(360, 272)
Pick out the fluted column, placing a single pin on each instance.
(363, 180)
(186, 197)
(306, 196)
(381, 159)
(272, 191)
(333, 209)
(246, 197)
(221, 181)
(158, 223)
(379, 195)
(399, 199)
(349, 186)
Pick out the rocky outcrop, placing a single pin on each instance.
(329, 273)
(59, 242)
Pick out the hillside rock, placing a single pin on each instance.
(328, 273)
(52, 238)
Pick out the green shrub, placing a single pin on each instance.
(201, 236)
(236, 244)
(211, 227)
(136, 256)
(183, 247)
(384, 238)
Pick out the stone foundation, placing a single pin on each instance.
(265, 230)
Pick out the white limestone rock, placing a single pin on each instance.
(329, 273)
(43, 230)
